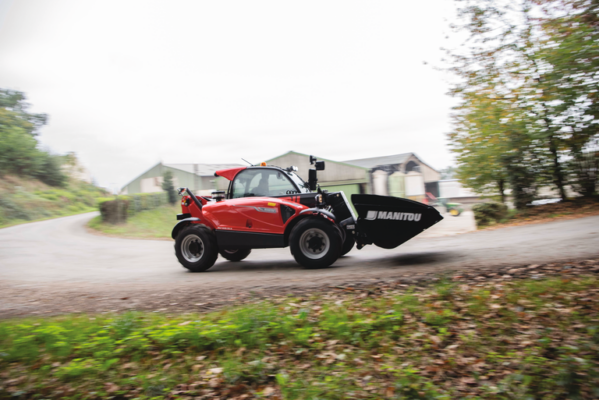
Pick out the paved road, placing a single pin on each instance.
(61, 251)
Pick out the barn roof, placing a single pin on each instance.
(319, 158)
(202, 169)
(384, 160)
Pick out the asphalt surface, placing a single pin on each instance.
(62, 252)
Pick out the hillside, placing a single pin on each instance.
(25, 199)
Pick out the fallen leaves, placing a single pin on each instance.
(452, 339)
(111, 387)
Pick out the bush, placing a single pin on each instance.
(489, 213)
(50, 171)
(12, 210)
(139, 202)
(114, 211)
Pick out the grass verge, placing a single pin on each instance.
(511, 340)
(151, 224)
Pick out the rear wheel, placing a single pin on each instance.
(235, 254)
(196, 248)
(315, 243)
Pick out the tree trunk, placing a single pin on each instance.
(501, 184)
(558, 174)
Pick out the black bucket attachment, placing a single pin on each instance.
(390, 221)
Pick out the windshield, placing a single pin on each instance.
(303, 186)
(269, 182)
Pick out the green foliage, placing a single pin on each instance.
(117, 210)
(114, 211)
(13, 112)
(585, 167)
(24, 199)
(50, 171)
(77, 368)
(489, 213)
(140, 202)
(19, 152)
(169, 187)
(528, 109)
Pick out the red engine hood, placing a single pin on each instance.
(229, 173)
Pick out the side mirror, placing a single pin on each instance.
(312, 179)
(312, 160)
(320, 165)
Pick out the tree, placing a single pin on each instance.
(13, 113)
(448, 172)
(570, 49)
(169, 187)
(19, 152)
(527, 90)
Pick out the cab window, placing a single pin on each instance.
(262, 182)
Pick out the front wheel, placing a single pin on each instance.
(235, 254)
(315, 243)
(196, 248)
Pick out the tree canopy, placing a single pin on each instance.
(528, 82)
(19, 149)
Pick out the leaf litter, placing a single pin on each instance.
(456, 337)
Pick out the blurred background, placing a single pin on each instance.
(450, 103)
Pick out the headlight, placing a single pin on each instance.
(319, 201)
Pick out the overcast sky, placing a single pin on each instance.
(129, 83)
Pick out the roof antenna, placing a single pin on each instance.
(251, 165)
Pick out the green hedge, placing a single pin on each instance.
(139, 202)
(489, 213)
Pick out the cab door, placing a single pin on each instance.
(252, 207)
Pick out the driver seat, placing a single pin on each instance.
(262, 189)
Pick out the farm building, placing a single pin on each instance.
(337, 176)
(401, 175)
(198, 177)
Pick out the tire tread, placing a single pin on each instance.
(210, 248)
(334, 237)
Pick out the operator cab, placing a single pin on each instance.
(266, 182)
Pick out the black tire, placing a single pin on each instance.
(315, 243)
(235, 254)
(348, 244)
(196, 248)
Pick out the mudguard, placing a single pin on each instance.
(390, 221)
(181, 224)
(319, 211)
